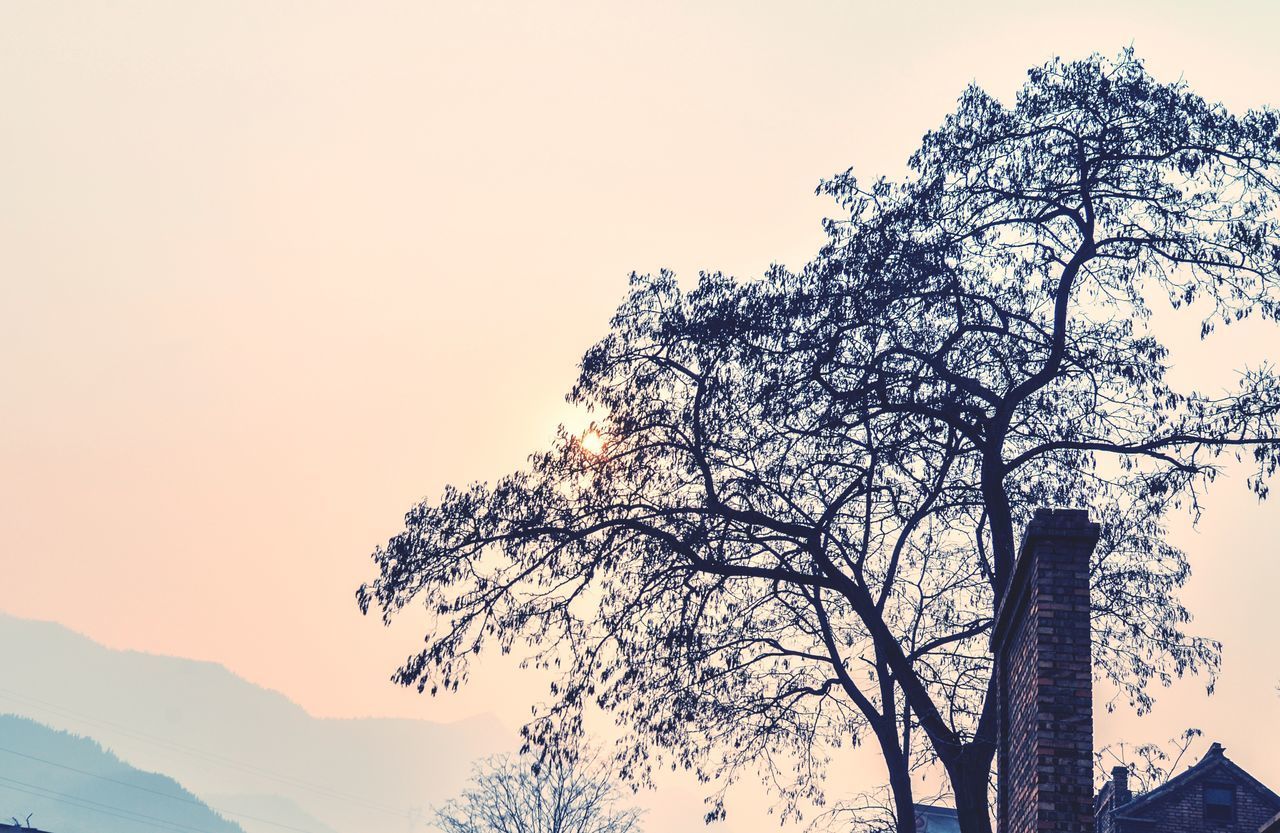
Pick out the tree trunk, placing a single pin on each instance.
(999, 521)
(969, 781)
(904, 808)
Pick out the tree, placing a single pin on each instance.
(1150, 765)
(563, 795)
(796, 515)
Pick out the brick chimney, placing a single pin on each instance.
(1120, 794)
(1040, 640)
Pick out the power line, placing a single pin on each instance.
(78, 806)
(98, 807)
(209, 757)
(153, 792)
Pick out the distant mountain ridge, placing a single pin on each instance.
(70, 784)
(282, 811)
(236, 743)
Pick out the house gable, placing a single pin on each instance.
(1214, 796)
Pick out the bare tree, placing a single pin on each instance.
(563, 795)
(1150, 764)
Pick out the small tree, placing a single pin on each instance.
(562, 795)
(1151, 765)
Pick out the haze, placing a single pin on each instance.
(271, 272)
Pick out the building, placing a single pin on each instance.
(1044, 680)
(1214, 796)
(932, 818)
(1041, 642)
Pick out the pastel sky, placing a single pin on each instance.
(272, 271)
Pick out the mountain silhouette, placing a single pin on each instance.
(70, 784)
(239, 745)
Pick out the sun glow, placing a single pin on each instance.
(592, 442)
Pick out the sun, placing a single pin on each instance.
(592, 442)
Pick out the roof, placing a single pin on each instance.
(1214, 761)
(1104, 795)
(933, 818)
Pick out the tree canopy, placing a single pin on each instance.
(791, 524)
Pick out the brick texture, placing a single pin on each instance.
(1183, 812)
(1041, 644)
(1179, 805)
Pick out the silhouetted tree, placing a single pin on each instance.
(1150, 765)
(563, 795)
(796, 516)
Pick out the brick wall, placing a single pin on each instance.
(1179, 805)
(1041, 644)
(1183, 812)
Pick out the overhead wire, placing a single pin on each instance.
(98, 807)
(141, 788)
(210, 757)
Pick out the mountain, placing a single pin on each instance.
(283, 812)
(222, 736)
(70, 784)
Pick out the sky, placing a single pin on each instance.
(270, 272)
